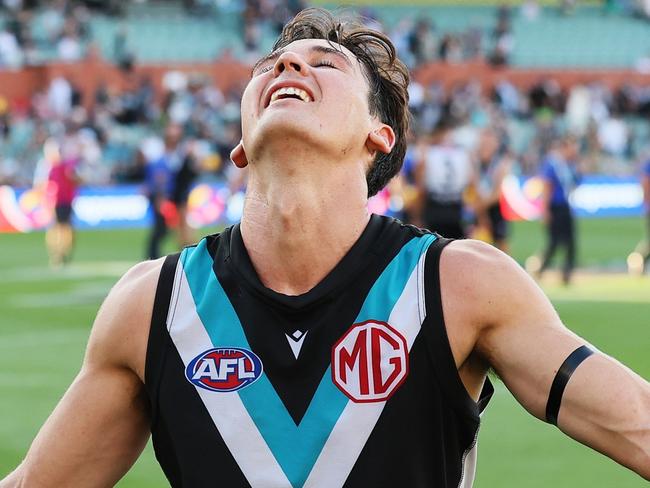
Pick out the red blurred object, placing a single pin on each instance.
(170, 214)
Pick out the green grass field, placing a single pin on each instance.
(45, 317)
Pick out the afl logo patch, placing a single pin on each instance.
(224, 369)
(370, 361)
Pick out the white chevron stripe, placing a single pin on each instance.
(357, 421)
(226, 409)
(469, 467)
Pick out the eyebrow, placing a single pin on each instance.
(318, 49)
(269, 57)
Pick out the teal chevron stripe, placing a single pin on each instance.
(390, 284)
(295, 447)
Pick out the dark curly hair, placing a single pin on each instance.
(387, 76)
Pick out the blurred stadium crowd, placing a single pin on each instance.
(122, 130)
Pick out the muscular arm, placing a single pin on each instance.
(100, 426)
(510, 325)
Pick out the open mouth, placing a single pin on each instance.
(290, 92)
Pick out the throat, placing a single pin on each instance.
(295, 239)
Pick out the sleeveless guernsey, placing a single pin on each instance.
(351, 384)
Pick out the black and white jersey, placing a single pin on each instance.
(350, 384)
(447, 172)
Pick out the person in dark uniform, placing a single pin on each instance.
(158, 187)
(494, 164)
(183, 181)
(167, 183)
(314, 344)
(443, 173)
(558, 169)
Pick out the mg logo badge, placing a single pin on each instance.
(370, 361)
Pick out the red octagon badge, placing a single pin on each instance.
(370, 361)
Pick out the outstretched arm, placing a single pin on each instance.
(100, 426)
(513, 327)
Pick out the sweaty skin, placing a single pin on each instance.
(307, 192)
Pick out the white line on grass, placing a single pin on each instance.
(54, 337)
(75, 271)
(80, 294)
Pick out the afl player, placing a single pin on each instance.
(314, 344)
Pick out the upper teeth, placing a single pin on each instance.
(290, 90)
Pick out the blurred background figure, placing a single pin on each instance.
(638, 260)
(63, 181)
(561, 177)
(444, 172)
(162, 160)
(494, 164)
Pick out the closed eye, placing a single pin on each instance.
(325, 63)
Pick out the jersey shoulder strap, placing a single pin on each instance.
(438, 340)
(158, 337)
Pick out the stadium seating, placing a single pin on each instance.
(588, 38)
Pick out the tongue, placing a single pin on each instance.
(282, 97)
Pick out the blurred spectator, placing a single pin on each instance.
(578, 110)
(613, 136)
(503, 38)
(422, 41)
(10, 53)
(59, 97)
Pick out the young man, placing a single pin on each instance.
(306, 346)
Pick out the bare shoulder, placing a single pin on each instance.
(487, 287)
(478, 269)
(121, 328)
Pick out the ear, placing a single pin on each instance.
(382, 139)
(238, 155)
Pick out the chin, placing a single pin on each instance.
(288, 130)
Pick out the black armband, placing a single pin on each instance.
(561, 379)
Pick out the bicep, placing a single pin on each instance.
(95, 433)
(526, 342)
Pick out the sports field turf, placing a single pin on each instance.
(45, 318)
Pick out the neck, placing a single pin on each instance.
(300, 218)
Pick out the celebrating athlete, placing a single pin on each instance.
(315, 344)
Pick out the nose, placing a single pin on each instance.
(291, 62)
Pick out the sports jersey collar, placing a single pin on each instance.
(359, 255)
